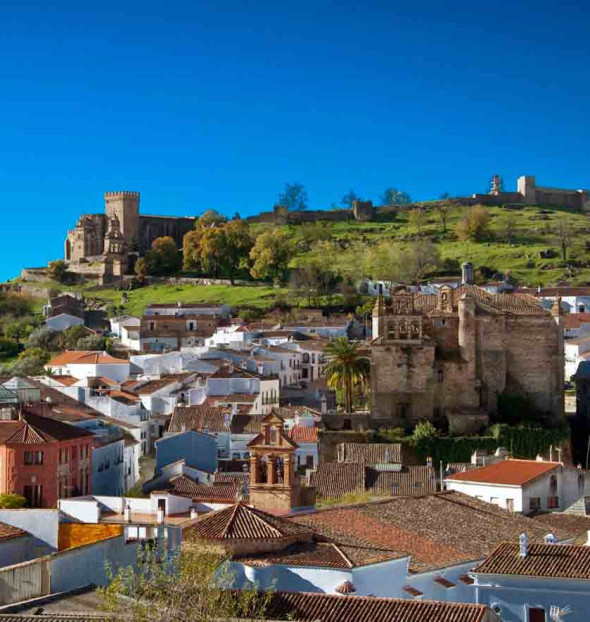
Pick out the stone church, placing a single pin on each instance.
(450, 355)
(109, 240)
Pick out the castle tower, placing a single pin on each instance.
(274, 485)
(125, 206)
(115, 254)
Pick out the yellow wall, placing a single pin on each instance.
(72, 535)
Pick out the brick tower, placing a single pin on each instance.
(125, 207)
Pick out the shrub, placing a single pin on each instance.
(8, 348)
(12, 502)
(424, 430)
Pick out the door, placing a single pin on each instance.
(510, 505)
(536, 614)
(162, 505)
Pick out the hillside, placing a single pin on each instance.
(532, 231)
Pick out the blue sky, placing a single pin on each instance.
(206, 104)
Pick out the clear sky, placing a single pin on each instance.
(216, 104)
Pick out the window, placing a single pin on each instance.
(536, 614)
(191, 326)
(582, 309)
(33, 457)
(439, 376)
(309, 462)
(552, 502)
(152, 325)
(535, 503)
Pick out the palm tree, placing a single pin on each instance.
(347, 367)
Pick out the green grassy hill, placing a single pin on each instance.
(534, 230)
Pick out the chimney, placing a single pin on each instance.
(550, 539)
(160, 516)
(523, 543)
(194, 513)
(559, 454)
(588, 538)
(550, 453)
(127, 513)
(467, 273)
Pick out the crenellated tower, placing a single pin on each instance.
(125, 206)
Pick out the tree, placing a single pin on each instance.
(420, 259)
(417, 219)
(191, 250)
(141, 269)
(91, 342)
(293, 197)
(44, 338)
(475, 225)
(510, 229)
(238, 244)
(190, 587)
(58, 271)
(271, 255)
(310, 233)
(8, 348)
(18, 330)
(349, 198)
(212, 248)
(210, 218)
(70, 337)
(565, 236)
(443, 210)
(347, 368)
(383, 262)
(12, 501)
(314, 277)
(31, 362)
(392, 196)
(164, 257)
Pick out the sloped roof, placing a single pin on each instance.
(8, 532)
(185, 486)
(304, 434)
(240, 522)
(246, 424)
(335, 479)
(558, 561)
(308, 607)
(214, 418)
(156, 385)
(85, 357)
(34, 429)
(507, 472)
(372, 453)
(436, 530)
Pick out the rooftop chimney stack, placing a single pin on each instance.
(523, 543)
(194, 513)
(588, 538)
(550, 539)
(467, 273)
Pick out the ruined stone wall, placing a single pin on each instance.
(491, 362)
(535, 362)
(153, 227)
(564, 198)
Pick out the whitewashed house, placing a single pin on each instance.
(523, 486)
(576, 350)
(546, 582)
(89, 364)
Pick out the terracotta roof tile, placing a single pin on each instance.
(445, 583)
(412, 591)
(507, 472)
(559, 561)
(345, 588)
(67, 381)
(304, 434)
(8, 532)
(213, 418)
(412, 480)
(371, 453)
(336, 479)
(185, 486)
(83, 357)
(436, 530)
(317, 554)
(156, 385)
(308, 607)
(573, 320)
(242, 522)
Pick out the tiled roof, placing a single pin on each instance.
(507, 472)
(232, 398)
(304, 434)
(320, 554)
(413, 480)
(185, 418)
(67, 381)
(573, 320)
(8, 532)
(372, 453)
(558, 561)
(574, 526)
(242, 522)
(436, 530)
(185, 486)
(57, 397)
(412, 591)
(558, 291)
(155, 385)
(83, 357)
(34, 429)
(230, 478)
(301, 606)
(336, 479)
(246, 424)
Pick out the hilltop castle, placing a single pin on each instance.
(111, 240)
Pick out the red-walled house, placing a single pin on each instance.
(44, 460)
